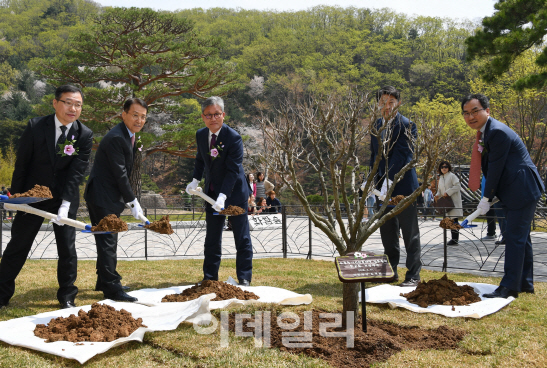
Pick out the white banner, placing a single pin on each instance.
(265, 222)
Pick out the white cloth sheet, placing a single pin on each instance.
(390, 294)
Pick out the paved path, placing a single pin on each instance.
(471, 255)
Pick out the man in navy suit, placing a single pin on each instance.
(108, 191)
(513, 178)
(394, 131)
(220, 157)
(40, 160)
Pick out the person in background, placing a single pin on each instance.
(449, 186)
(251, 205)
(273, 203)
(428, 202)
(252, 183)
(263, 186)
(261, 206)
(495, 213)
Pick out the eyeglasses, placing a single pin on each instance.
(210, 116)
(444, 167)
(472, 113)
(137, 117)
(69, 104)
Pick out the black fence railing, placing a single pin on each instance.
(292, 234)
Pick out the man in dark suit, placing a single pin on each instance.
(108, 191)
(40, 160)
(513, 178)
(395, 130)
(220, 156)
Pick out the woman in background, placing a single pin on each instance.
(263, 186)
(449, 186)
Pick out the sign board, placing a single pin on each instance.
(265, 222)
(364, 267)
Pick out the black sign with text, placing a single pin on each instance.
(364, 267)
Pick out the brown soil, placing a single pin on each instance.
(382, 340)
(395, 200)
(38, 191)
(449, 224)
(162, 226)
(111, 223)
(442, 292)
(102, 323)
(233, 211)
(223, 291)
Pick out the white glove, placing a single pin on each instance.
(386, 183)
(62, 213)
(135, 208)
(484, 206)
(219, 204)
(192, 186)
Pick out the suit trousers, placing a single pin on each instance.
(519, 258)
(407, 221)
(108, 279)
(213, 245)
(24, 229)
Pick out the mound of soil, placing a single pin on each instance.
(449, 224)
(233, 211)
(38, 191)
(382, 340)
(223, 291)
(102, 323)
(442, 292)
(111, 223)
(395, 200)
(162, 226)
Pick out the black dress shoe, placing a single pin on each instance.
(125, 287)
(452, 242)
(67, 304)
(502, 292)
(98, 288)
(120, 296)
(244, 282)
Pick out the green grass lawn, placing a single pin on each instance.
(516, 336)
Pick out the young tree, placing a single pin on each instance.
(156, 56)
(323, 134)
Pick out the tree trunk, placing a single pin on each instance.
(350, 300)
(135, 178)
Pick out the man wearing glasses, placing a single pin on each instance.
(220, 157)
(512, 177)
(43, 158)
(108, 191)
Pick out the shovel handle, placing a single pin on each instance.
(46, 215)
(143, 218)
(199, 193)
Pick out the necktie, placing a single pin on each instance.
(61, 140)
(211, 146)
(475, 169)
(133, 141)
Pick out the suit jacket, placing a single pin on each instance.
(226, 170)
(108, 185)
(37, 162)
(510, 173)
(399, 156)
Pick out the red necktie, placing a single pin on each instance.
(475, 169)
(133, 141)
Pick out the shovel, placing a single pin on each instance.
(50, 216)
(199, 193)
(21, 200)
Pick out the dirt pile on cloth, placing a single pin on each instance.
(111, 223)
(395, 200)
(233, 211)
(449, 224)
(223, 291)
(162, 226)
(382, 340)
(102, 323)
(38, 191)
(442, 292)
